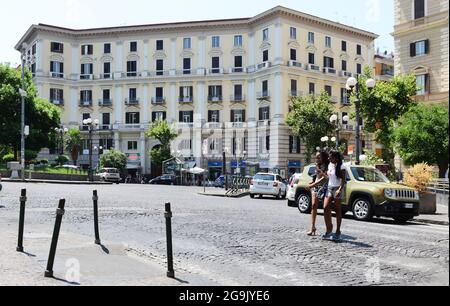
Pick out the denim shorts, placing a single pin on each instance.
(332, 191)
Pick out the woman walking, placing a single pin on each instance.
(336, 184)
(318, 187)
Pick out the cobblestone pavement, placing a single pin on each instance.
(243, 241)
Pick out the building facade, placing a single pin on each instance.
(421, 46)
(224, 84)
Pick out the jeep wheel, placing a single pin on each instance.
(403, 219)
(362, 209)
(304, 203)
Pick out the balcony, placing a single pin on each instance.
(186, 99)
(132, 74)
(158, 100)
(334, 99)
(86, 103)
(264, 95)
(104, 102)
(184, 72)
(87, 77)
(328, 70)
(132, 101)
(263, 123)
(56, 75)
(215, 99)
(237, 70)
(105, 76)
(105, 127)
(237, 98)
(346, 74)
(185, 125)
(295, 93)
(295, 64)
(162, 73)
(59, 102)
(215, 71)
(312, 67)
(131, 127)
(238, 125)
(264, 65)
(213, 125)
(345, 100)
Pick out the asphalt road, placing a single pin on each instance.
(243, 241)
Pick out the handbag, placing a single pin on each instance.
(322, 191)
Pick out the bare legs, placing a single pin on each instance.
(327, 215)
(315, 206)
(338, 209)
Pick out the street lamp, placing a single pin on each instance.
(353, 83)
(224, 166)
(92, 125)
(23, 95)
(61, 131)
(334, 119)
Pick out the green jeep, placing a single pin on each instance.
(368, 193)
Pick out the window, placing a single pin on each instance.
(133, 46)
(238, 41)
(87, 49)
(186, 66)
(216, 42)
(265, 88)
(160, 67)
(238, 116)
(215, 64)
(107, 70)
(267, 143)
(159, 45)
(107, 48)
(86, 71)
(106, 144)
(327, 41)
(186, 43)
(85, 116)
(238, 92)
(159, 116)
(293, 33)
(420, 48)
(132, 118)
(132, 94)
(132, 145)
(106, 95)
(33, 49)
(186, 93)
(329, 90)
(265, 34)
(294, 145)
(187, 116)
(344, 65)
(358, 49)
(294, 88)
(159, 92)
(344, 96)
(238, 61)
(358, 68)
(131, 68)
(312, 88)
(344, 46)
(265, 56)
(106, 118)
(311, 37)
(264, 113)
(328, 62)
(421, 84)
(57, 69)
(56, 47)
(214, 116)
(419, 9)
(86, 96)
(56, 95)
(293, 54)
(215, 93)
(311, 58)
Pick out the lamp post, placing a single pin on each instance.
(352, 83)
(92, 125)
(224, 167)
(61, 131)
(334, 119)
(23, 95)
(325, 140)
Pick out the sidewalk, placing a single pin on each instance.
(56, 182)
(78, 262)
(440, 218)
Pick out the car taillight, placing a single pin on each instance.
(292, 185)
(251, 183)
(275, 184)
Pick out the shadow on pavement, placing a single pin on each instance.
(181, 281)
(104, 249)
(67, 282)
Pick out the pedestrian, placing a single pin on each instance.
(336, 184)
(318, 187)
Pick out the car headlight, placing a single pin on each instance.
(417, 194)
(388, 192)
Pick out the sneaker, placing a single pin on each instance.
(327, 236)
(337, 237)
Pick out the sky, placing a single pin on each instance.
(17, 16)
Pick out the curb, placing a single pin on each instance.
(444, 223)
(55, 182)
(241, 195)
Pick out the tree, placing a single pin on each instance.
(422, 136)
(74, 143)
(114, 159)
(310, 120)
(41, 115)
(382, 106)
(163, 132)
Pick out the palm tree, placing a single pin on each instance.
(74, 144)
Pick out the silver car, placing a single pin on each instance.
(109, 175)
(268, 184)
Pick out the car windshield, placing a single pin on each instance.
(265, 177)
(369, 175)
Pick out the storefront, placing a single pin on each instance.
(239, 168)
(264, 166)
(294, 166)
(215, 169)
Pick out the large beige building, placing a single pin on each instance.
(225, 84)
(421, 46)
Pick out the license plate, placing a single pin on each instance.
(409, 206)
(263, 184)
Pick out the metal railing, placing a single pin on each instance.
(439, 186)
(238, 185)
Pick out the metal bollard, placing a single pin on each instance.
(97, 235)
(168, 216)
(51, 257)
(23, 200)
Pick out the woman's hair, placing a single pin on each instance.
(337, 155)
(325, 160)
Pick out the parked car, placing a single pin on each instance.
(109, 175)
(368, 193)
(1, 183)
(293, 181)
(220, 182)
(268, 184)
(163, 180)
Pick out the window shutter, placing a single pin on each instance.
(62, 48)
(181, 117)
(51, 66)
(268, 143)
(412, 49)
(427, 46)
(191, 91)
(298, 145)
(82, 69)
(164, 116)
(260, 114)
(91, 68)
(91, 49)
(153, 117)
(291, 144)
(62, 67)
(427, 83)
(244, 119)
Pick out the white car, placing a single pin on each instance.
(268, 184)
(293, 181)
(109, 175)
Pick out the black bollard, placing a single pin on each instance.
(97, 235)
(51, 257)
(23, 199)
(168, 216)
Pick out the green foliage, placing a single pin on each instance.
(74, 143)
(371, 159)
(43, 161)
(30, 155)
(422, 136)
(42, 116)
(160, 155)
(163, 132)
(310, 120)
(62, 159)
(8, 158)
(114, 159)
